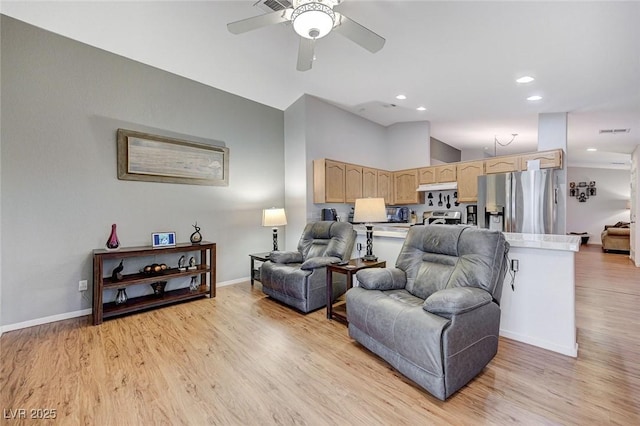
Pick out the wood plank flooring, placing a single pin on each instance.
(243, 359)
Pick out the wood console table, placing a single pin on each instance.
(206, 267)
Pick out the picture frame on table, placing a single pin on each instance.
(163, 239)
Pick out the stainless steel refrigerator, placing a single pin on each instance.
(523, 202)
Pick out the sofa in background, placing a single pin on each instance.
(616, 237)
(435, 317)
(298, 278)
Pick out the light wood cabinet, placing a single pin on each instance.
(446, 173)
(548, 159)
(468, 180)
(505, 164)
(328, 181)
(385, 186)
(427, 175)
(353, 183)
(369, 182)
(405, 183)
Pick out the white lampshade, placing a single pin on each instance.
(273, 217)
(368, 210)
(313, 20)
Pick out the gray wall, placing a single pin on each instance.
(440, 151)
(62, 102)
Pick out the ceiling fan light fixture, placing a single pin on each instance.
(313, 20)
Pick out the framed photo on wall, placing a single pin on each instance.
(163, 239)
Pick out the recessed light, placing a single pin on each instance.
(592, 149)
(421, 108)
(525, 79)
(534, 98)
(401, 97)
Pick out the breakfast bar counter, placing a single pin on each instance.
(538, 300)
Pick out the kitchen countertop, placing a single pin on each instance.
(539, 241)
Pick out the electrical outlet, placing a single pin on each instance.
(515, 265)
(82, 285)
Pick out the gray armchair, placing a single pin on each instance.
(435, 317)
(299, 278)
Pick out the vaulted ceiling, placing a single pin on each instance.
(460, 60)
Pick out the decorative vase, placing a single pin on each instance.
(158, 287)
(121, 297)
(196, 237)
(113, 242)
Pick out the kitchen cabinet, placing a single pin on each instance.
(353, 183)
(369, 182)
(548, 159)
(103, 278)
(328, 181)
(405, 183)
(467, 174)
(446, 173)
(504, 164)
(427, 175)
(385, 186)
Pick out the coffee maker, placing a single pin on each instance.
(472, 214)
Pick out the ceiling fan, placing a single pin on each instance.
(312, 20)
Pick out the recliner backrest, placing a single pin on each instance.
(327, 238)
(435, 257)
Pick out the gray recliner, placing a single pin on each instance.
(299, 278)
(435, 317)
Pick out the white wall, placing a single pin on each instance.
(62, 102)
(408, 145)
(295, 172)
(606, 208)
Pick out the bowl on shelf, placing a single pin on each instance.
(158, 287)
(154, 269)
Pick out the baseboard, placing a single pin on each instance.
(569, 350)
(75, 314)
(45, 320)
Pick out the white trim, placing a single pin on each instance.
(564, 350)
(236, 281)
(46, 320)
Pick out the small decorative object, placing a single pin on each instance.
(181, 262)
(121, 297)
(116, 275)
(430, 196)
(154, 268)
(192, 263)
(193, 285)
(196, 237)
(572, 184)
(582, 184)
(582, 191)
(113, 242)
(431, 202)
(592, 184)
(158, 287)
(163, 239)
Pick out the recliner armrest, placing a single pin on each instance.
(319, 262)
(382, 278)
(452, 301)
(285, 257)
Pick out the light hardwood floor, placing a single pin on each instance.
(242, 359)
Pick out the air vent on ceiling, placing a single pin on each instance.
(614, 131)
(273, 5)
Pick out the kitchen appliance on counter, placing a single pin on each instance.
(329, 214)
(524, 202)
(472, 214)
(444, 217)
(398, 214)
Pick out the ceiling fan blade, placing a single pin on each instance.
(305, 54)
(358, 34)
(259, 21)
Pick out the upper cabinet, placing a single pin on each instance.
(468, 180)
(385, 186)
(446, 173)
(405, 183)
(548, 159)
(427, 175)
(353, 183)
(369, 182)
(504, 164)
(328, 181)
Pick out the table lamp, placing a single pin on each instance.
(274, 217)
(367, 211)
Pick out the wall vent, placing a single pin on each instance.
(614, 131)
(273, 5)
